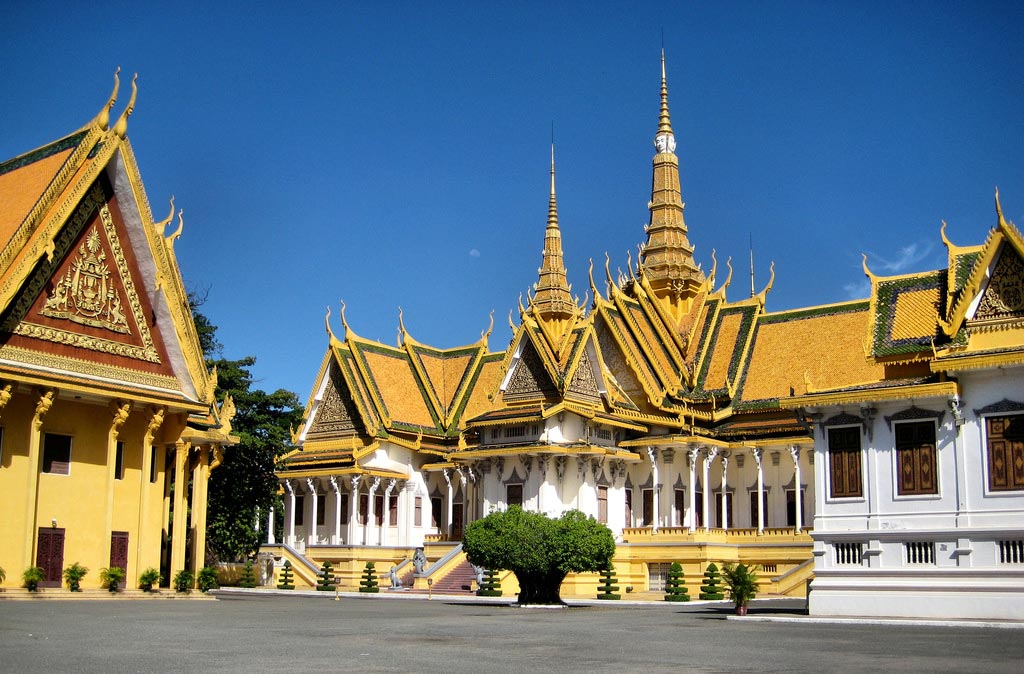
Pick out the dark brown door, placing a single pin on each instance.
(119, 549)
(456, 521)
(50, 556)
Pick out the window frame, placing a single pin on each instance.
(508, 498)
(70, 454)
(990, 490)
(897, 460)
(859, 461)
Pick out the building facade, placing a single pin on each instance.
(698, 428)
(108, 421)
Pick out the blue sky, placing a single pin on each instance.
(394, 154)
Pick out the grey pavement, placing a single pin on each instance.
(257, 633)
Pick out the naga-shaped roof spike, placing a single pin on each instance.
(402, 332)
(864, 264)
(511, 323)
(344, 322)
(327, 324)
(487, 333)
(714, 269)
(942, 233)
(121, 127)
(590, 275)
(763, 295)
(103, 119)
(173, 236)
(162, 225)
(999, 210)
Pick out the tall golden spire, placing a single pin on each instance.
(552, 298)
(667, 258)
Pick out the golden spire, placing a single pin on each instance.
(666, 260)
(552, 297)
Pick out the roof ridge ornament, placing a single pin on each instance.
(665, 139)
(999, 211)
(103, 119)
(121, 127)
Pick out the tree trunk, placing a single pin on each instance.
(540, 588)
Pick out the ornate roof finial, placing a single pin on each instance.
(664, 140)
(553, 297)
(999, 210)
(402, 332)
(121, 127)
(103, 119)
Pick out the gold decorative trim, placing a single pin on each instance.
(86, 367)
(86, 342)
(936, 390)
(976, 362)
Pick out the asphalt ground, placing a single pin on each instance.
(246, 633)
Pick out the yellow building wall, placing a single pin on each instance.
(78, 502)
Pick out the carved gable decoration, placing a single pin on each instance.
(529, 378)
(86, 295)
(583, 381)
(1004, 296)
(336, 414)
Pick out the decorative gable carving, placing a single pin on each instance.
(1004, 296)
(336, 414)
(529, 378)
(583, 380)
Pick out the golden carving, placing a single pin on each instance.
(86, 294)
(121, 409)
(53, 362)
(43, 406)
(1004, 297)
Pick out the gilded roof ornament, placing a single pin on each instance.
(487, 333)
(330, 333)
(176, 233)
(103, 119)
(664, 140)
(402, 333)
(162, 225)
(864, 264)
(553, 298)
(344, 322)
(763, 295)
(121, 127)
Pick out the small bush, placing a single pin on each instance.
(284, 581)
(369, 581)
(248, 578)
(491, 586)
(675, 588)
(325, 579)
(149, 578)
(607, 589)
(32, 576)
(711, 588)
(73, 576)
(207, 579)
(112, 577)
(183, 581)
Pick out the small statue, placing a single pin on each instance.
(396, 582)
(480, 573)
(419, 560)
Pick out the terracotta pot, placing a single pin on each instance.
(741, 610)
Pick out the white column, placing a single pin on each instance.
(693, 453)
(370, 512)
(312, 539)
(336, 488)
(794, 451)
(270, 527)
(290, 535)
(652, 454)
(709, 457)
(725, 493)
(353, 511)
(758, 454)
(387, 510)
(448, 522)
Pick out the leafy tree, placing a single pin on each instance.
(539, 550)
(244, 487)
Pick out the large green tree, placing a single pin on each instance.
(243, 488)
(540, 551)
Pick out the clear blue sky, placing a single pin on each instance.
(396, 154)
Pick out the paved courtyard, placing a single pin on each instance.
(294, 634)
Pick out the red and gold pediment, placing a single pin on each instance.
(87, 301)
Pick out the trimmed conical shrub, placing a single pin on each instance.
(675, 588)
(369, 581)
(711, 589)
(608, 588)
(325, 579)
(284, 580)
(248, 578)
(491, 586)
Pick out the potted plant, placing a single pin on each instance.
(112, 577)
(741, 582)
(183, 580)
(207, 579)
(73, 575)
(149, 578)
(32, 577)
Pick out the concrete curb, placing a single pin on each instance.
(889, 622)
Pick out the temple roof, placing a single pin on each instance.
(91, 296)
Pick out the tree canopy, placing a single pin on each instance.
(540, 551)
(243, 488)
